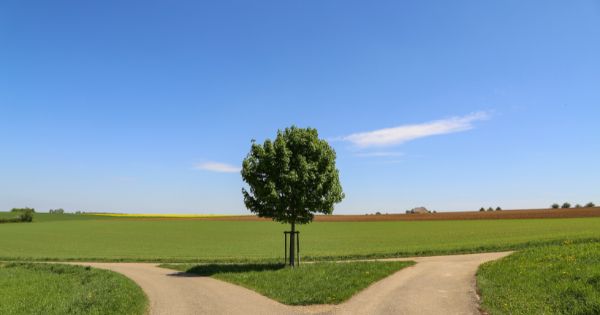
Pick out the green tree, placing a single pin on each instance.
(291, 179)
(566, 205)
(590, 204)
(26, 215)
(555, 206)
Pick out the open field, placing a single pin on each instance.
(158, 215)
(45, 217)
(28, 288)
(559, 279)
(103, 239)
(444, 216)
(209, 239)
(471, 215)
(318, 283)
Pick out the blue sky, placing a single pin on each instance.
(150, 106)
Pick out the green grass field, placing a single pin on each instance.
(81, 237)
(27, 288)
(560, 279)
(45, 217)
(318, 283)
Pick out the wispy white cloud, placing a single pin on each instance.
(217, 167)
(402, 134)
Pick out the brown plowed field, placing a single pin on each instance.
(463, 215)
(472, 215)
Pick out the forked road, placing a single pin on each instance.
(435, 285)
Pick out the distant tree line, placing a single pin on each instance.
(567, 205)
(482, 209)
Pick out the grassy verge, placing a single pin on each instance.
(318, 283)
(558, 279)
(28, 288)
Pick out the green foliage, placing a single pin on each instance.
(577, 206)
(27, 288)
(291, 178)
(555, 206)
(22, 209)
(566, 205)
(590, 205)
(498, 209)
(23, 215)
(482, 209)
(93, 238)
(318, 283)
(490, 209)
(559, 279)
(26, 215)
(57, 211)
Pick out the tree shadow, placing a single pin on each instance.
(212, 269)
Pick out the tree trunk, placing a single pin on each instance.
(293, 245)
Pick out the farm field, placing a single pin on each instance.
(108, 239)
(443, 216)
(558, 279)
(471, 215)
(45, 217)
(29, 288)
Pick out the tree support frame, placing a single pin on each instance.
(285, 245)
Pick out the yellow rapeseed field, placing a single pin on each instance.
(157, 215)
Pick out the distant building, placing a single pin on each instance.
(420, 210)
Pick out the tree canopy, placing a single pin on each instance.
(291, 178)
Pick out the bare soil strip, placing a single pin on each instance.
(435, 285)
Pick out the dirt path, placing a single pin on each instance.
(435, 285)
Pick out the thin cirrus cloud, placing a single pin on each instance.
(401, 134)
(217, 167)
